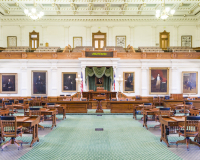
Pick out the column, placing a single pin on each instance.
(23, 80)
(131, 36)
(66, 36)
(44, 35)
(173, 81)
(88, 36)
(1, 35)
(153, 35)
(54, 81)
(175, 36)
(22, 37)
(197, 37)
(110, 41)
(83, 73)
(144, 81)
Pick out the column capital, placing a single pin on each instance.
(153, 26)
(131, 27)
(110, 26)
(88, 26)
(176, 26)
(144, 68)
(66, 26)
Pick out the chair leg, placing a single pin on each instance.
(6, 144)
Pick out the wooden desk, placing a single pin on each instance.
(99, 99)
(167, 122)
(4, 112)
(124, 106)
(92, 94)
(149, 112)
(194, 112)
(21, 106)
(30, 122)
(168, 103)
(74, 106)
(61, 109)
(45, 112)
(196, 103)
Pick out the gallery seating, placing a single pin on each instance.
(17, 49)
(114, 48)
(81, 48)
(47, 49)
(150, 49)
(180, 49)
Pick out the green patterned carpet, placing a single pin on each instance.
(122, 138)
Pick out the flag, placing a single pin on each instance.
(81, 82)
(114, 81)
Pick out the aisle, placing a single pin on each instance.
(122, 138)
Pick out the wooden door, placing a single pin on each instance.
(34, 40)
(98, 40)
(164, 40)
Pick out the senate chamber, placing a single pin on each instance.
(99, 79)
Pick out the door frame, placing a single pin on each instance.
(98, 33)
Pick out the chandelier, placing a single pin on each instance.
(164, 13)
(33, 14)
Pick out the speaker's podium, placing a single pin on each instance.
(99, 98)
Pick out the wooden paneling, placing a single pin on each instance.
(121, 55)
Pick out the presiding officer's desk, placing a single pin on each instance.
(91, 94)
(125, 106)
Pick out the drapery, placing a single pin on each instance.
(106, 84)
(98, 72)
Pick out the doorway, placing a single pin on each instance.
(98, 40)
(164, 40)
(34, 40)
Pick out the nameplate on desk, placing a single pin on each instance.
(98, 54)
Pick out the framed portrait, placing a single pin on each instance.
(39, 83)
(77, 41)
(128, 83)
(99, 81)
(189, 82)
(121, 41)
(186, 41)
(69, 81)
(159, 80)
(9, 83)
(11, 41)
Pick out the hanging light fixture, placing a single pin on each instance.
(164, 13)
(33, 14)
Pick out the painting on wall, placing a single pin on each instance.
(186, 41)
(39, 83)
(190, 82)
(121, 41)
(11, 41)
(69, 81)
(99, 81)
(9, 83)
(159, 81)
(77, 41)
(128, 83)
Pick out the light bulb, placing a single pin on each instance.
(42, 14)
(172, 11)
(157, 15)
(33, 10)
(167, 9)
(26, 11)
(157, 11)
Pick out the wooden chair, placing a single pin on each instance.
(38, 101)
(1, 103)
(36, 112)
(83, 99)
(44, 100)
(76, 99)
(137, 97)
(121, 99)
(51, 106)
(191, 128)
(11, 108)
(12, 101)
(162, 112)
(67, 99)
(9, 129)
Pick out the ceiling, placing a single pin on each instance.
(135, 8)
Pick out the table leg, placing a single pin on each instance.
(145, 121)
(35, 135)
(53, 121)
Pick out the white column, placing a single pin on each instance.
(1, 35)
(66, 35)
(196, 43)
(175, 41)
(44, 35)
(88, 36)
(22, 37)
(153, 35)
(131, 36)
(110, 41)
(23, 79)
(54, 81)
(144, 81)
(173, 81)
(83, 72)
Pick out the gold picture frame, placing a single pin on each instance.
(75, 41)
(121, 41)
(9, 83)
(11, 41)
(189, 83)
(186, 41)
(39, 83)
(129, 82)
(69, 85)
(158, 85)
